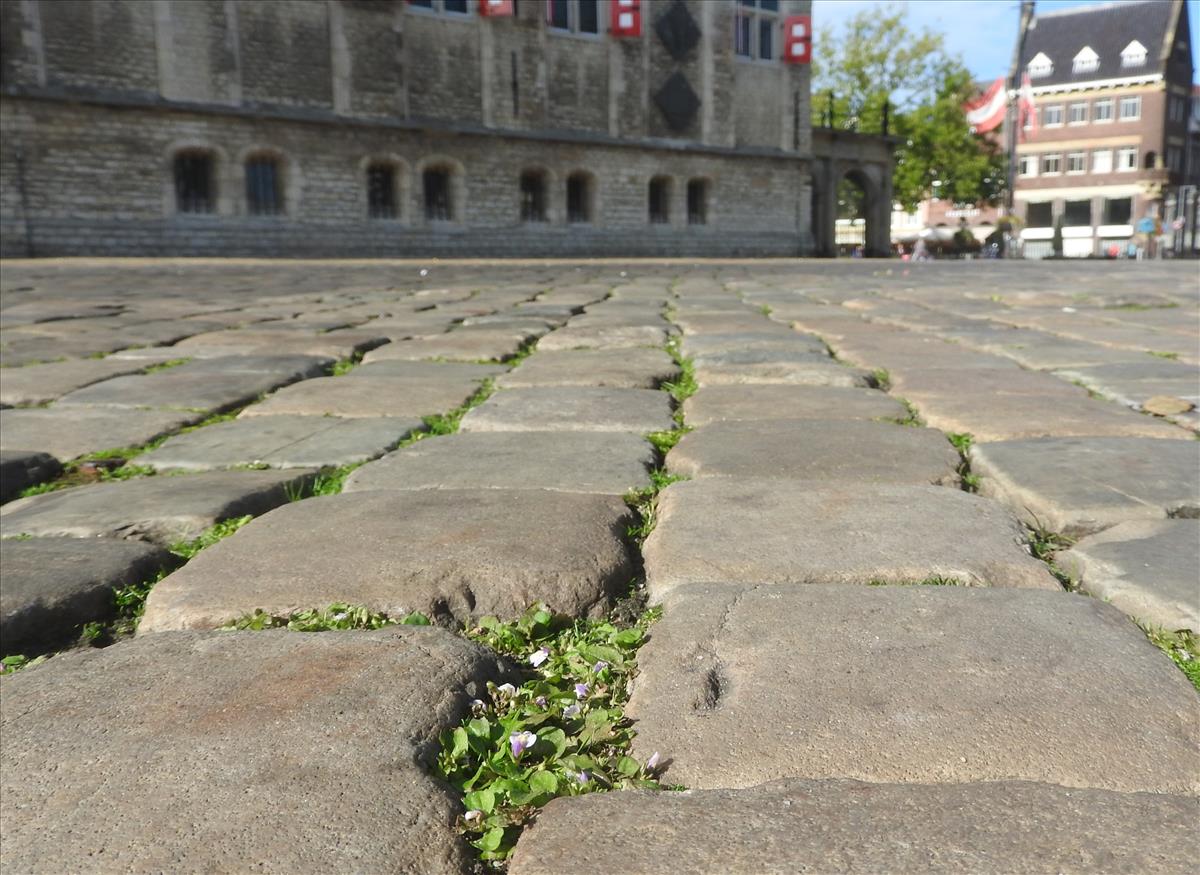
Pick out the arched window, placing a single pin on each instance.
(533, 196)
(439, 199)
(580, 197)
(1148, 162)
(195, 181)
(264, 186)
(659, 197)
(697, 201)
(382, 191)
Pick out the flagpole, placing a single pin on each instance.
(1012, 117)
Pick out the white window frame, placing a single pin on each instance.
(1027, 167)
(1039, 65)
(1107, 104)
(572, 27)
(1071, 121)
(1046, 116)
(1087, 61)
(1130, 153)
(1057, 159)
(438, 7)
(1137, 103)
(1133, 55)
(756, 15)
(1105, 166)
(1079, 158)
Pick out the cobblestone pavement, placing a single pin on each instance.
(918, 515)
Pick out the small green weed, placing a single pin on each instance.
(329, 482)
(562, 732)
(447, 423)
(16, 662)
(337, 617)
(663, 441)
(524, 351)
(1173, 356)
(882, 379)
(644, 501)
(765, 309)
(932, 580)
(1183, 647)
(1140, 307)
(167, 365)
(343, 367)
(1044, 544)
(223, 529)
(961, 441)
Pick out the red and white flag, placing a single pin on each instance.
(986, 113)
(1026, 108)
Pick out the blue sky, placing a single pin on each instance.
(982, 32)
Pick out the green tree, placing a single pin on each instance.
(875, 58)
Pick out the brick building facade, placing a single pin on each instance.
(383, 127)
(1112, 87)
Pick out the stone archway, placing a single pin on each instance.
(862, 162)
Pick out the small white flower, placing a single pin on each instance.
(506, 689)
(538, 657)
(473, 816)
(571, 711)
(652, 762)
(340, 616)
(424, 272)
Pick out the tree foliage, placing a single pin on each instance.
(876, 58)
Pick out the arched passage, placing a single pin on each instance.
(853, 213)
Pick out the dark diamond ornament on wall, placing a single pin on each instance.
(677, 30)
(677, 102)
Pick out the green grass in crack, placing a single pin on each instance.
(663, 441)
(963, 441)
(1183, 647)
(338, 617)
(883, 379)
(447, 423)
(223, 529)
(343, 367)
(1044, 544)
(1173, 356)
(933, 580)
(165, 366)
(684, 386)
(562, 732)
(644, 502)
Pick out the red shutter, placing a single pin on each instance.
(626, 17)
(495, 8)
(797, 39)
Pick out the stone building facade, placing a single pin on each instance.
(384, 127)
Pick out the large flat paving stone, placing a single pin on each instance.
(20, 469)
(40, 384)
(1150, 569)
(422, 370)
(791, 826)
(759, 530)
(284, 441)
(610, 463)
(67, 432)
(463, 345)
(724, 403)
(739, 685)
(161, 510)
(366, 397)
(290, 367)
(1078, 486)
(624, 368)
(604, 337)
(572, 408)
(172, 390)
(801, 373)
(996, 417)
(230, 751)
(448, 553)
(333, 344)
(51, 586)
(817, 450)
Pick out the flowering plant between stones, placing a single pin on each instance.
(560, 733)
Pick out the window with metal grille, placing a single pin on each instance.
(264, 194)
(697, 202)
(381, 191)
(754, 25)
(579, 198)
(533, 196)
(438, 205)
(194, 189)
(660, 200)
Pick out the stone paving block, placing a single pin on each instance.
(168, 390)
(273, 751)
(291, 367)
(622, 368)
(283, 441)
(914, 383)
(817, 450)
(20, 469)
(40, 384)
(729, 403)
(622, 337)
(367, 397)
(255, 341)
(67, 432)
(425, 370)
(794, 373)
(739, 685)
(462, 344)
(766, 355)
(760, 530)
(726, 342)
(162, 510)
(1150, 569)
(52, 586)
(791, 826)
(610, 463)
(1078, 486)
(1046, 352)
(996, 417)
(448, 553)
(572, 408)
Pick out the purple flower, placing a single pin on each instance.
(599, 667)
(571, 711)
(652, 762)
(582, 777)
(521, 742)
(581, 690)
(540, 701)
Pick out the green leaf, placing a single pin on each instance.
(490, 840)
(416, 618)
(556, 738)
(543, 782)
(628, 766)
(481, 800)
(480, 727)
(628, 638)
(458, 743)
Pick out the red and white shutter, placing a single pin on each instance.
(495, 8)
(626, 17)
(797, 39)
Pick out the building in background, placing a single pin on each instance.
(1108, 149)
(432, 127)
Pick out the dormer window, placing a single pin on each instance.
(1040, 66)
(1087, 61)
(1133, 55)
